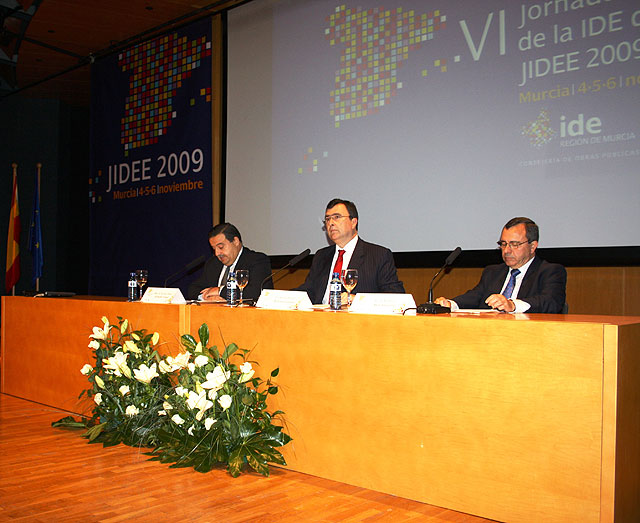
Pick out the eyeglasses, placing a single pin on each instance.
(513, 245)
(333, 218)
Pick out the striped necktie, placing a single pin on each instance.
(508, 291)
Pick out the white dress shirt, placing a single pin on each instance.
(346, 258)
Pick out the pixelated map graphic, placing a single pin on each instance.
(311, 160)
(158, 69)
(376, 43)
(539, 131)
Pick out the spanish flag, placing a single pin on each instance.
(13, 239)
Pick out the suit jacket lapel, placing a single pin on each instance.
(324, 280)
(357, 258)
(530, 277)
(498, 282)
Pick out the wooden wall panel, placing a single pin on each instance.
(590, 290)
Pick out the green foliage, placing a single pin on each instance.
(215, 415)
(218, 413)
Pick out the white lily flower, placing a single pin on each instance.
(190, 430)
(216, 379)
(181, 360)
(131, 347)
(94, 344)
(99, 382)
(208, 423)
(201, 360)
(177, 419)
(98, 398)
(118, 364)
(247, 372)
(124, 390)
(146, 374)
(155, 338)
(164, 367)
(171, 364)
(181, 391)
(199, 347)
(191, 367)
(198, 401)
(225, 401)
(213, 394)
(166, 405)
(131, 410)
(86, 369)
(162, 413)
(101, 334)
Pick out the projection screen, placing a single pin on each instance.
(440, 120)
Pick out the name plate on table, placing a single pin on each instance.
(284, 300)
(381, 303)
(163, 295)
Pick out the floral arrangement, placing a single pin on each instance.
(198, 409)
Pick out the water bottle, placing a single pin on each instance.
(232, 289)
(132, 288)
(335, 292)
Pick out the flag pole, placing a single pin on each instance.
(14, 165)
(12, 222)
(39, 168)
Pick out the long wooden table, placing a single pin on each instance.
(510, 417)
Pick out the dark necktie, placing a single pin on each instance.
(338, 266)
(225, 277)
(508, 291)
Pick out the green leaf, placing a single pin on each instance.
(234, 465)
(94, 431)
(231, 348)
(69, 422)
(275, 372)
(273, 390)
(248, 400)
(277, 458)
(203, 333)
(258, 465)
(188, 341)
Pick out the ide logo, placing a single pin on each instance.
(580, 126)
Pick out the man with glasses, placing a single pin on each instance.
(523, 283)
(376, 268)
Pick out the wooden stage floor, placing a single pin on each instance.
(49, 474)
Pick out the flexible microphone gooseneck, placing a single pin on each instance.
(290, 263)
(434, 308)
(191, 265)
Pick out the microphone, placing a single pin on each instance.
(189, 266)
(290, 263)
(434, 308)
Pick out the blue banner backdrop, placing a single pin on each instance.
(150, 187)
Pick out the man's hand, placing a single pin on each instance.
(211, 294)
(499, 302)
(443, 301)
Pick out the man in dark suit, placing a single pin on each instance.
(376, 268)
(230, 255)
(523, 283)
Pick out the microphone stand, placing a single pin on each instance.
(290, 263)
(191, 265)
(434, 308)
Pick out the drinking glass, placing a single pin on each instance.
(141, 277)
(349, 279)
(242, 278)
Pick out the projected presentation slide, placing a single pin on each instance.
(440, 120)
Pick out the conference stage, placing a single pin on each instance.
(510, 417)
